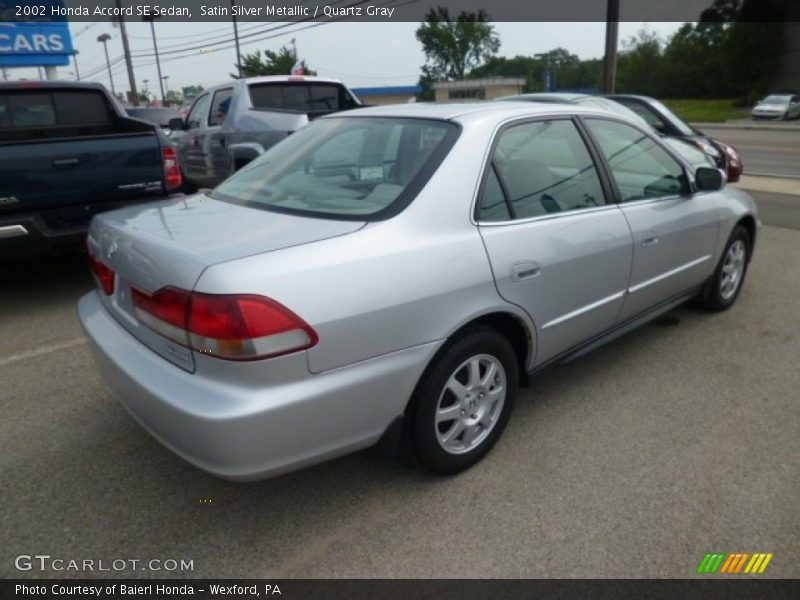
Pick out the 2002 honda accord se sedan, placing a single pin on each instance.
(399, 269)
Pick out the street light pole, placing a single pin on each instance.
(610, 58)
(75, 60)
(166, 88)
(104, 38)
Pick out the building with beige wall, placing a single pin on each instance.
(392, 94)
(468, 90)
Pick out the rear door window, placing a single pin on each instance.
(542, 167)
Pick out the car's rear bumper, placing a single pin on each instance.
(244, 431)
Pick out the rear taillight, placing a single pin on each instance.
(233, 327)
(172, 170)
(102, 273)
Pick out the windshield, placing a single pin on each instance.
(693, 155)
(614, 107)
(674, 119)
(776, 99)
(360, 168)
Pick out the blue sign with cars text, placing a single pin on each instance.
(28, 40)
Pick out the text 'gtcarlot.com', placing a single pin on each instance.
(45, 562)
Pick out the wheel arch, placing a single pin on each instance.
(749, 223)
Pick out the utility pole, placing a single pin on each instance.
(75, 60)
(158, 62)
(236, 37)
(610, 58)
(104, 39)
(128, 63)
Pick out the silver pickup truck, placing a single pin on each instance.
(231, 124)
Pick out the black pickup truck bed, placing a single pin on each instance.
(67, 152)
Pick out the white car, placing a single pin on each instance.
(777, 106)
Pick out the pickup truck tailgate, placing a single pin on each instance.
(49, 174)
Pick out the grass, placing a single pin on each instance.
(707, 111)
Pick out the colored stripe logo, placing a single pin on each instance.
(734, 563)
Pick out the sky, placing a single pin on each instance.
(360, 54)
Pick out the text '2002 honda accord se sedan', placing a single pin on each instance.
(399, 270)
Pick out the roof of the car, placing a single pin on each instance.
(647, 99)
(465, 111)
(277, 79)
(546, 97)
(31, 84)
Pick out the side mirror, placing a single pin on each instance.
(176, 124)
(709, 179)
(659, 126)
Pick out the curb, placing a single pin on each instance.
(747, 126)
(771, 175)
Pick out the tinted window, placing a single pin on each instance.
(198, 112)
(493, 202)
(545, 168)
(342, 167)
(50, 109)
(641, 168)
(220, 106)
(299, 96)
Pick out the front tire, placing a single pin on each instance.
(464, 400)
(723, 288)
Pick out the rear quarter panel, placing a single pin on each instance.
(412, 279)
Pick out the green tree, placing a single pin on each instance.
(271, 63)
(639, 64)
(454, 47)
(190, 92)
(174, 98)
(570, 71)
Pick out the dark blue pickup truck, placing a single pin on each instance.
(67, 152)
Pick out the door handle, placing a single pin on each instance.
(66, 163)
(524, 270)
(650, 241)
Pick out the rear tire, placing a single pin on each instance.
(723, 288)
(463, 401)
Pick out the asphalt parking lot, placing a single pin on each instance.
(676, 440)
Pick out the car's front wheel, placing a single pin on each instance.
(724, 286)
(464, 400)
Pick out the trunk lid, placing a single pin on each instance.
(170, 243)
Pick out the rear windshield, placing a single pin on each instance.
(29, 114)
(357, 168)
(298, 96)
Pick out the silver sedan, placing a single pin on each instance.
(777, 106)
(396, 273)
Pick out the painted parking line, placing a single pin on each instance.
(42, 350)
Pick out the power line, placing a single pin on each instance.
(249, 35)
